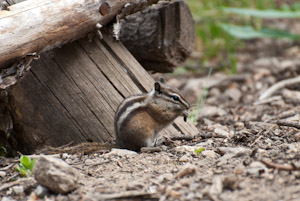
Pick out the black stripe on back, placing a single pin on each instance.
(120, 111)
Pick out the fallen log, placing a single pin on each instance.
(53, 23)
(161, 36)
(71, 95)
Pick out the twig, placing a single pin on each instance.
(288, 123)
(257, 139)
(8, 185)
(268, 100)
(285, 114)
(126, 195)
(7, 167)
(278, 86)
(279, 166)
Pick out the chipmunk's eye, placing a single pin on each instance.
(176, 98)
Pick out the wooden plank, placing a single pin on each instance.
(53, 23)
(71, 95)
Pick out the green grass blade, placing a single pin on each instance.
(248, 32)
(268, 13)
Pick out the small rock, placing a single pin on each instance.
(204, 144)
(17, 190)
(239, 124)
(256, 168)
(165, 177)
(41, 191)
(217, 186)
(172, 193)
(224, 159)
(89, 162)
(55, 174)
(121, 152)
(297, 136)
(234, 93)
(224, 133)
(230, 182)
(184, 158)
(134, 185)
(65, 155)
(185, 148)
(6, 199)
(235, 151)
(209, 154)
(2, 174)
(188, 169)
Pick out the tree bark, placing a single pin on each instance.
(53, 23)
(160, 37)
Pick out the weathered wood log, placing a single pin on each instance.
(53, 23)
(71, 95)
(160, 37)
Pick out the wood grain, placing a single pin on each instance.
(72, 93)
(52, 23)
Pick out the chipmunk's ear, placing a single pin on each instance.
(157, 87)
(161, 80)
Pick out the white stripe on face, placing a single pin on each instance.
(180, 98)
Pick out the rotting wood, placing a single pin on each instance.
(160, 37)
(71, 95)
(53, 23)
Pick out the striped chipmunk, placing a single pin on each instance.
(139, 118)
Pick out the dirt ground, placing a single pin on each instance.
(251, 142)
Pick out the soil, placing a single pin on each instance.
(251, 145)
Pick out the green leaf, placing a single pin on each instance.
(3, 151)
(248, 32)
(268, 13)
(199, 151)
(25, 161)
(32, 164)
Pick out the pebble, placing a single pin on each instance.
(230, 182)
(6, 199)
(188, 169)
(184, 158)
(217, 186)
(17, 190)
(41, 191)
(121, 152)
(256, 168)
(235, 151)
(209, 154)
(297, 136)
(2, 174)
(223, 132)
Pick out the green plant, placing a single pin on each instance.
(200, 102)
(3, 151)
(199, 151)
(220, 24)
(253, 28)
(25, 166)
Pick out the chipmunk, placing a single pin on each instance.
(139, 118)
